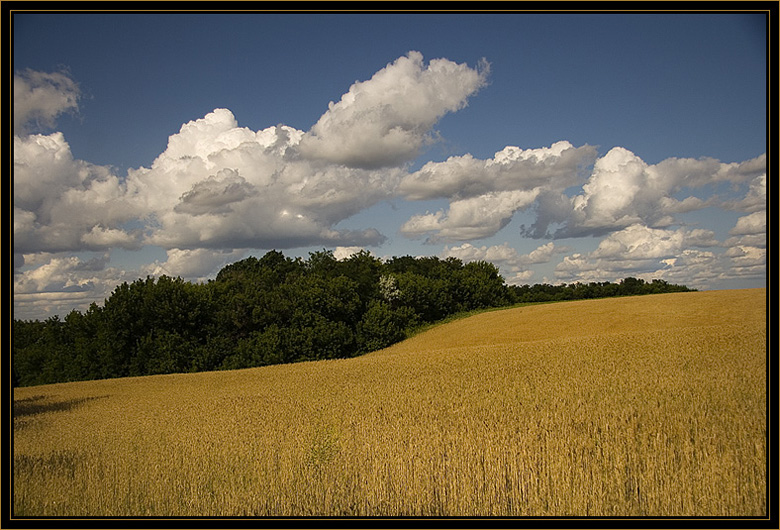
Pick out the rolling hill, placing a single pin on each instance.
(635, 406)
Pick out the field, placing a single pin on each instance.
(652, 405)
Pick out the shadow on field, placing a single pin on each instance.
(39, 404)
(60, 462)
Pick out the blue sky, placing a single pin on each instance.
(561, 147)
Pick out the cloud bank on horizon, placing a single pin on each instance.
(219, 189)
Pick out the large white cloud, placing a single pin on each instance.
(385, 120)
(221, 186)
(218, 185)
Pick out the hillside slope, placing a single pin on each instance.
(651, 405)
(583, 318)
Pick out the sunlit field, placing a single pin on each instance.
(652, 405)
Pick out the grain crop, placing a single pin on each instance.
(636, 406)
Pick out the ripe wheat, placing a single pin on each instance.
(651, 405)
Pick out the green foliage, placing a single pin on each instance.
(383, 325)
(259, 349)
(161, 352)
(578, 291)
(271, 310)
(430, 298)
(482, 286)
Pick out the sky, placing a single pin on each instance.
(560, 147)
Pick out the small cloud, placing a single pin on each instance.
(368, 237)
(193, 264)
(512, 169)
(748, 233)
(56, 284)
(671, 255)
(755, 198)
(341, 253)
(638, 242)
(40, 97)
(701, 238)
(512, 264)
(100, 237)
(469, 219)
(753, 224)
(215, 194)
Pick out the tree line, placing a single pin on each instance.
(272, 310)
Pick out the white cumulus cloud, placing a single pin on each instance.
(386, 120)
(623, 190)
(62, 204)
(219, 185)
(511, 169)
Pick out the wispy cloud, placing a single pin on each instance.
(40, 97)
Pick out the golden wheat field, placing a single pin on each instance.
(638, 406)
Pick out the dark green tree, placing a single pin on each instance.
(383, 325)
(482, 286)
(271, 310)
